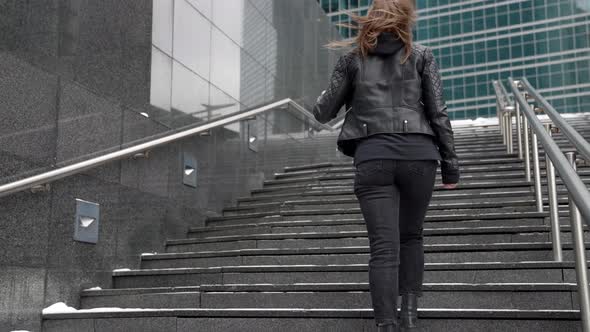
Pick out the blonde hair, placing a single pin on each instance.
(395, 16)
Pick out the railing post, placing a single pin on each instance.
(501, 122)
(537, 172)
(536, 165)
(525, 131)
(527, 153)
(553, 204)
(518, 129)
(509, 137)
(580, 255)
(504, 131)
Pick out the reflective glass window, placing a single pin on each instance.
(192, 38)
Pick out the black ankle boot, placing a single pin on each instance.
(388, 328)
(409, 311)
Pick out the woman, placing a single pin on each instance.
(396, 129)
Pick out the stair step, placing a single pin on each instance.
(481, 272)
(351, 224)
(470, 141)
(311, 215)
(345, 224)
(526, 198)
(503, 159)
(475, 184)
(320, 235)
(352, 206)
(296, 320)
(195, 245)
(463, 187)
(546, 296)
(445, 210)
(482, 235)
(350, 170)
(349, 176)
(428, 232)
(480, 161)
(348, 194)
(435, 253)
(465, 170)
(334, 287)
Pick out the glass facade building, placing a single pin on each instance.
(211, 58)
(547, 41)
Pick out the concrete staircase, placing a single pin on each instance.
(293, 257)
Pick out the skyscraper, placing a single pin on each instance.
(547, 41)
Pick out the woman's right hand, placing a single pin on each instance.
(449, 185)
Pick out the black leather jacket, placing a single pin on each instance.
(384, 96)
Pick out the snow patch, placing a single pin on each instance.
(94, 288)
(494, 120)
(58, 308)
(62, 308)
(476, 122)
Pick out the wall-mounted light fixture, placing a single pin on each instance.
(252, 136)
(189, 170)
(86, 221)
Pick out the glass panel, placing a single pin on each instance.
(162, 19)
(252, 83)
(190, 93)
(161, 79)
(582, 5)
(192, 38)
(203, 6)
(225, 64)
(334, 5)
(228, 15)
(255, 42)
(325, 5)
(220, 104)
(266, 8)
(272, 53)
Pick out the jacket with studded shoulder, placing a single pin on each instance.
(382, 95)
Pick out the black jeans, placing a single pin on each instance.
(394, 196)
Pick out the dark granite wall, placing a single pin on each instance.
(142, 204)
(74, 77)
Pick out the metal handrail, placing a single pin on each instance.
(504, 114)
(582, 146)
(513, 109)
(65, 171)
(509, 100)
(579, 196)
(501, 94)
(570, 177)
